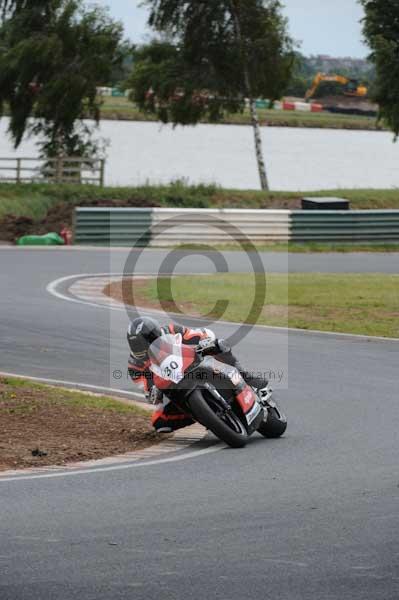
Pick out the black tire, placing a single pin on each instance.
(275, 425)
(206, 416)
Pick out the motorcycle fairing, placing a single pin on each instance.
(253, 414)
(170, 359)
(244, 394)
(227, 374)
(246, 399)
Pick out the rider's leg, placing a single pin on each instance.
(227, 357)
(169, 418)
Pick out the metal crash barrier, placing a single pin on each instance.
(170, 227)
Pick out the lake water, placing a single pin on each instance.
(297, 159)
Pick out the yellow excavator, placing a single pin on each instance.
(354, 88)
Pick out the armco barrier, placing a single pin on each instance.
(169, 227)
(112, 226)
(222, 226)
(345, 226)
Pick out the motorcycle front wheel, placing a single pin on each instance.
(227, 427)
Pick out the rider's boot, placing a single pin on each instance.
(169, 418)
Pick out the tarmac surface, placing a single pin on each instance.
(312, 515)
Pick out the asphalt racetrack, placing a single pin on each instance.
(314, 515)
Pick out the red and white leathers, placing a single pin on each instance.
(167, 417)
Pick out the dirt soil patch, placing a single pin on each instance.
(41, 426)
(134, 293)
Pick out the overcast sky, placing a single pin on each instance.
(322, 26)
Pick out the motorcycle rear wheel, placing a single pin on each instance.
(231, 430)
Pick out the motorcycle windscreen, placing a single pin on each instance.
(170, 357)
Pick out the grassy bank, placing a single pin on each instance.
(40, 208)
(360, 304)
(299, 248)
(34, 200)
(42, 425)
(122, 110)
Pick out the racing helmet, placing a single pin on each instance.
(140, 335)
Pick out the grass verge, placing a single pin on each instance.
(40, 208)
(35, 200)
(122, 110)
(297, 248)
(42, 425)
(359, 304)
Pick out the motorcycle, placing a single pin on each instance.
(213, 393)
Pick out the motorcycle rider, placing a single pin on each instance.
(142, 332)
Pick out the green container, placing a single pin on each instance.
(263, 104)
(50, 239)
(117, 93)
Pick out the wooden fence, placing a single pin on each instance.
(52, 170)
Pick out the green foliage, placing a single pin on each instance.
(163, 83)
(122, 66)
(35, 200)
(381, 30)
(54, 56)
(8, 7)
(217, 53)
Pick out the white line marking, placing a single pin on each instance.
(168, 446)
(124, 467)
(52, 289)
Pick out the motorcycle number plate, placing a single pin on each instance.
(253, 413)
(172, 368)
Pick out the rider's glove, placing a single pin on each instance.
(208, 346)
(212, 346)
(154, 395)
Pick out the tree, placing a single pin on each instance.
(55, 54)
(123, 64)
(163, 83)
(381, 30)
(216, 55)
(9, 7)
